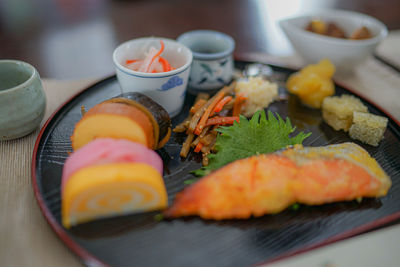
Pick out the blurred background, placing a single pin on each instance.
(73, 39)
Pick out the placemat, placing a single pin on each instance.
(25, 237)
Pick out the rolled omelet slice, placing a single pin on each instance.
(108, 150)
(107, 190)
(114, 120)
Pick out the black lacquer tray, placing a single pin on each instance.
(140, 240)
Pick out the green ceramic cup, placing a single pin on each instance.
(22, 99)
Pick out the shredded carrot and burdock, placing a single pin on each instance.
(207, 115)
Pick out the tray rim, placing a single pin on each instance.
(91, 260)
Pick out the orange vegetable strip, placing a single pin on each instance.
(156, 55)
(222, 120)
(130, 61)
(237, 107)
(186, 145)
(165, 63)
(208, 110)
(197, 106)
(196, 117)
(222, 103)
(198, 147)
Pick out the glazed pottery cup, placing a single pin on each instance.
(212, 65)
(166, 88)
(22, 99)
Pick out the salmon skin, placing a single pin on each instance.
(269, 183)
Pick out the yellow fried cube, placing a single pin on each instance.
(337, 111)
(368, 128)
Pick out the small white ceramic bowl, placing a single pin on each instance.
(166, 88)
(345, 54)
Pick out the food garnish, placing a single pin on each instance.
(333, 30)
(132, 116)
(222, 103)
(360, 34)
(245, 96)
(159, 217)
(113, 120)
(368, 128)
(317, 26)
(337, 111)
(202, 120)
(270, 183)
(222, 120)
(109, 177)
(313, 83)
(207, 111)
(348, 113)
(256, 93)
(239, 102)
(152, 63)
(246, 138)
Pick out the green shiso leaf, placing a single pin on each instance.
(158, 217)
(259, 135)
(295, 206)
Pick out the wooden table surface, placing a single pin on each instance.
(73, 39)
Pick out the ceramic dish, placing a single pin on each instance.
(212, 65)
(345, 54)
(22, 99)
(140, 240)
(166, 88)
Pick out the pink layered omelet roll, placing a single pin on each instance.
(109, 177)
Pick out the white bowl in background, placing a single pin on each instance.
(345, 54)
(166, 88)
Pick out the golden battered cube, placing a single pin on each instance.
(337, 111)
(368, 128)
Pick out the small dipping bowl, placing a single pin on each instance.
(212, 65)
(22, 99)
(166, 88)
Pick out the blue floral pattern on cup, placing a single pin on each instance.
(212, 65)
(213, 74)
(173, 82)
(209, 74)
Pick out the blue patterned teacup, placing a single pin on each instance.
(212, 65)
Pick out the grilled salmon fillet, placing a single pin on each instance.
(269, 183)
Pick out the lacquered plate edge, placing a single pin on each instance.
(87, 258)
